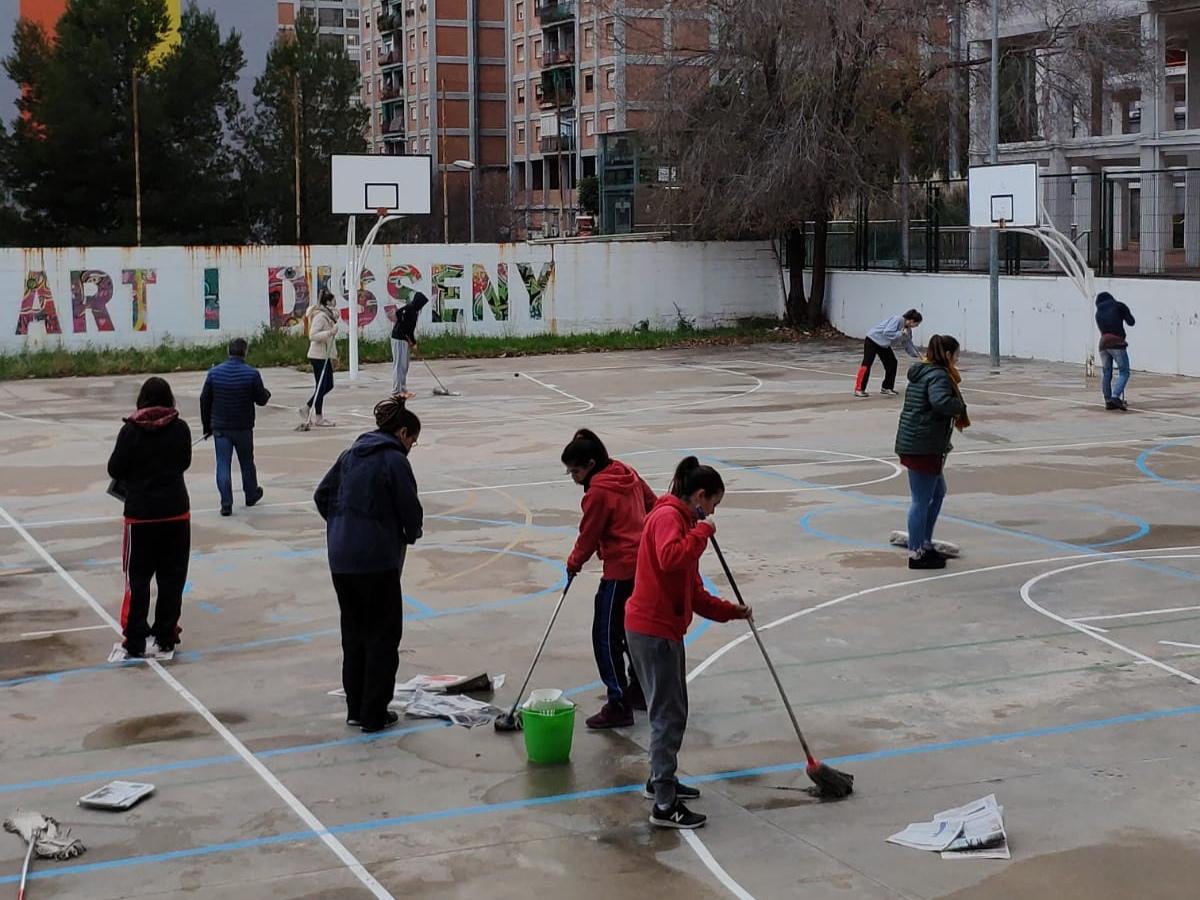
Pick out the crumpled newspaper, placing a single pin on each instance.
(459, 709)
(53, 840)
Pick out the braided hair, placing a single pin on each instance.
(391, 415)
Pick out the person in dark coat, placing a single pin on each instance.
(933, 408)
(372, 514)
(404, 342)
(1111, 318)
(230, 393)
(153, 450)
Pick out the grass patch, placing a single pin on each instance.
(271, 348)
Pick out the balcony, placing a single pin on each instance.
(551, 12)
(387, 22)
(389, 92)
(391, 58)
(562, 143)
(562, 57)
(558, 88)
(394, 127)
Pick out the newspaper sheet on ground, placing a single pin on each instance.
(434, 684)
(973, 831)
(459, 709)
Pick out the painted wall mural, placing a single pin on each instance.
(37, 305)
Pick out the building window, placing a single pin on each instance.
(610, 78)
(537, 131)
(520, 93)
(413, 113)
(610, 34)
(589, 37)
(368, 53)
(589, 82)
(520, 53)
(425, 74)
(351, 22)
(537, 48)
(426, 145)
(424, 38)
(370, 85)
(329, 17)
(520, 134)
(412, 76)
(425, 109)
(520, 12)
(414, 146)
(589, 125)
(352, 41)
(412, 42)
(610, 124)
(537, 90)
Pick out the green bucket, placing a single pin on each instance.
(548, 734)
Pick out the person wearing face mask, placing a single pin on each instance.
(615, 503)
(369, 502)
(667, 590)
(322, 356)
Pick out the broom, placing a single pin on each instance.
(830, 783)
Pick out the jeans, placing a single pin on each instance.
(928, 492)
(225, 442)
(323, 381)
(662, 670)
(1121, 358)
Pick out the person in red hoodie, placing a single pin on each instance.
(615, 503)
(666, 591)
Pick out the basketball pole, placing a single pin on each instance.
(994, 158)
(356, 261)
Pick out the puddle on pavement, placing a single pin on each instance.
(37, 656)
(172, 726)
(870, 559)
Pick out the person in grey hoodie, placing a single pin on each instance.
(879, 342)
(372, 514)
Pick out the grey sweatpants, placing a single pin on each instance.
(662, 672)
(400, 353)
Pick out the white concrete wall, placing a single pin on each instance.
(94, 292)
(1040, 317)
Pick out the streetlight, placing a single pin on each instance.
(469, 167)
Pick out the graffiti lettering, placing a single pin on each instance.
(484, 291)
(442, 292)
(536, 286)
(37, 305)
(95, 300)
(398, 290)
(139, 278)
(367, 307)
(212, 299)
(298, 279)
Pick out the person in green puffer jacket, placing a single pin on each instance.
(933, 408)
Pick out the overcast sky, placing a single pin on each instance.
(255, 20)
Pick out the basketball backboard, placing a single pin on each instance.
(1002, 196)
(368, 185)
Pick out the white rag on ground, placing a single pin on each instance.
(53, 841)
(973, 831)
(946, 548)
(425, 697)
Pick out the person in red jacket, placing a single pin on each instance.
(666, 591)
(615, 503)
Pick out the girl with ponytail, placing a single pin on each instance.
(615, 503)
(666, 591)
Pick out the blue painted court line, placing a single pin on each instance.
(597, 793)
(1143, 464)
(208, 607)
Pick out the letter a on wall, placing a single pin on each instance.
(37, 305)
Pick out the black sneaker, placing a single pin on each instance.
(927, 561)
(935, 553)
(258, 496)
(1122, 405)
(388, 721)
(1111, 404)
(678, 816)
(134, 649)
(353, 723)
(227, 510)
(682, 791)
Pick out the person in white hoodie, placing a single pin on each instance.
(322, 353)
(879, 341)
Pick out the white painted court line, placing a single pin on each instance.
(587, 404)
(1181, 644)
(33, 634)
(349, 860)
(1134, 615)
(697, 845)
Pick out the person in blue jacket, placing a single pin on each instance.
(369, 502)
(231, 391)
(878, 342)
(1111, 318)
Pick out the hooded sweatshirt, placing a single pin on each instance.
(615, 503)
(153, 450)
(667, 588)
(405, 328)
(322, 332)
(1111, 318)
(369, 503)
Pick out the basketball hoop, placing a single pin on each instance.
(381, 211)
(1000, 223)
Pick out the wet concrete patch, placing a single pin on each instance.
(172, 726)
(871, 559)
(38, 656)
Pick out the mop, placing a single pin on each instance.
(307, 425)
(441, 390)
(946, 548)
(830, 783)
(45, 837)
(508, 721)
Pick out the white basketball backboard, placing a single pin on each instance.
(1003, 196)
(365, 185)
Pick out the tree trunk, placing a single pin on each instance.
(816, 294)
(797, 305)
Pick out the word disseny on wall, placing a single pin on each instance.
(78, 297)
(287, 292)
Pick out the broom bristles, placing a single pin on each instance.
(831, 784)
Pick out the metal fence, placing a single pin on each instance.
(1127, 222)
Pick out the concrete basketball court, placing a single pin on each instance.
(1055, 664)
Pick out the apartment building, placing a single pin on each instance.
(337, 21)
(1119, 153)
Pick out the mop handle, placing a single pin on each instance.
(763, 647)
(434, 374)
(545, 637)
(33, 839)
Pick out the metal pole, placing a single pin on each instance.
(296, 145)
(994, 157)
(444, 166)
(471, 179)
(137, 158)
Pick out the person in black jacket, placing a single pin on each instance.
(153, 450)
(404, 341)
(369, 503)
(1111, 318)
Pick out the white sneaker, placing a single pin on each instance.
(322, 422)
(888, 392)
(861, 394)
